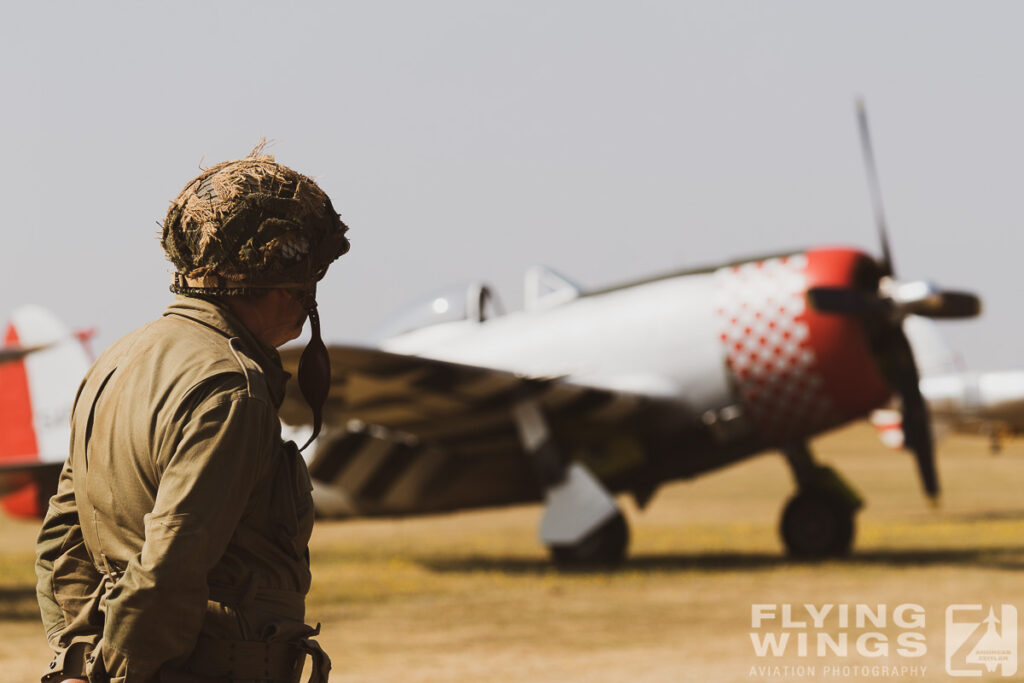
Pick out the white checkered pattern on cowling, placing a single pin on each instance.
(762, 323)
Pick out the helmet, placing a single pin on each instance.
(249, 225)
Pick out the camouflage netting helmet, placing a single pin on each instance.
(249, 225)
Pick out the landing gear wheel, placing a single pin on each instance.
(604, 547)
(815, 525)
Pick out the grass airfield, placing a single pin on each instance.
(471, 596)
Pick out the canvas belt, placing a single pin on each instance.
(223, 660)
(260, 660)
(257, 660)
(230, 660)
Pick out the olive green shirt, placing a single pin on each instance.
(180, 512)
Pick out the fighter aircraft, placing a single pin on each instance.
(41, 365)
(586, 394)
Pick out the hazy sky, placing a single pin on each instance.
(469, 140)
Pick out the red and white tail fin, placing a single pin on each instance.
(36, 395)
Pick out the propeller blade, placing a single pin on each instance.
(925, 299)
(952, 305)
(874, 186)
(843, 300)
(902, 372)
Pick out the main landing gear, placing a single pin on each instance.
(582, 526)
(817, 522)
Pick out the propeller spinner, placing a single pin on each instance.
(882, 304)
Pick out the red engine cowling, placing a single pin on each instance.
(798, 371)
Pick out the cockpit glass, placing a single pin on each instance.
(473, 301)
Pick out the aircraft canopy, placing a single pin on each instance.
(475, 301)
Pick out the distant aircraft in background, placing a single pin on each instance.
(986, 403)
(41, 366)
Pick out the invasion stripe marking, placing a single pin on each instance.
(330, 463)
(387, 473)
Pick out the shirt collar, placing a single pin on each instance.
(218, 317)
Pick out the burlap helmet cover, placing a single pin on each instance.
(251, 223)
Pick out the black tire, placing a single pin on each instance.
(815, 525)
(603, 547)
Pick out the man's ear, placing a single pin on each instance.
(278, 296)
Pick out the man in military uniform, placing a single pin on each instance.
(175, 548)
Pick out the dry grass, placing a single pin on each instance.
(471, 596)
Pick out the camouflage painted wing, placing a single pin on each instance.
(409, 435)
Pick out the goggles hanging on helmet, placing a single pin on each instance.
(314, 365)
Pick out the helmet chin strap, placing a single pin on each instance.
(314, 368)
